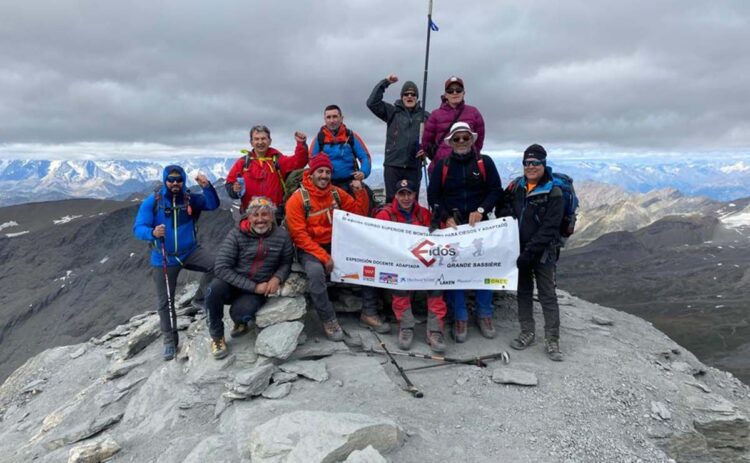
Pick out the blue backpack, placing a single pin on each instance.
(570, 201)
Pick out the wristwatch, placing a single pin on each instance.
(480, 210)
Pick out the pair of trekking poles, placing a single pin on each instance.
(410, 387)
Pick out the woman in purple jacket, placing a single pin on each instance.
(452, 110)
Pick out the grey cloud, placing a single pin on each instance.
(616, 75)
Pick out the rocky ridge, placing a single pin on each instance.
(625, 393)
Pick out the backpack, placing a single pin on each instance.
(292, 182)
(275, 159)
(570, 201)
(185, 205)
(349, 141)
(306, 201)
(480, 165)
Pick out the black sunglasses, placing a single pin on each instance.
(532, 162)
(454, 90)
(174, 179)
(461, 139)
(410, 94)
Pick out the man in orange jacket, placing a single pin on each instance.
(309, 219)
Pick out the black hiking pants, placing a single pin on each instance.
(392, 174)
(199, 260)
(544, 274)
(316, 275)
(243, 309)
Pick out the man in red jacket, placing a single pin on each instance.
(405, 209)
(262, 171)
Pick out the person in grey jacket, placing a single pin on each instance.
(253, 261)
(403, 118)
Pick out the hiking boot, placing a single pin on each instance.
(486, 327)
(169, 352)
(219, 348)
(405, 338)
(241, 328)
(373, 321)
(460, 330)
(552, 347)
(333, 330)
(436, 341)
(524, 340)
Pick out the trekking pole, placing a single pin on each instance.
(170, 299)
(478, 361)
(430, 25)
(410, 388)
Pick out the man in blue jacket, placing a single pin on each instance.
(167, 218)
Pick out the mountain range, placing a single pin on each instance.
(33, 180)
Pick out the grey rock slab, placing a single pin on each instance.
(214, 449)
(311, 369)
(94, 452)
(295, 285)
(684, 367)
(660, 410)
(366, 455)
(600, 320)
(514, 376)
(700, 386)
(140, 338)
(281, 377)
(183, 322)
(33, 387)
(280, 309)
(256, 380)
(122, 368)
(277, 390)
(318, 349)
(77, 434)
(314, 436)
(78, 352)
(279, 340)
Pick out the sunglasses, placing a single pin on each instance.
(461, 139)
(453, 90)
(174, 179)
(410, 94)
(532, 163)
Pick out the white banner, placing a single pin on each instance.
(394, 255)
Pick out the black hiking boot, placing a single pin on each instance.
(169, 352)
(552, 347)
(241, 328)
(524, 340)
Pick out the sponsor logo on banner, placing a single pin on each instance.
(442, 281)
(368, 273)
(426, 252)
(496, 281)
(389, 278)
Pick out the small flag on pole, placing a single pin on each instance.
(434, 26)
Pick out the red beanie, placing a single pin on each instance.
(318, 161)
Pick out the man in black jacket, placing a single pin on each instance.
(403, 118)
(252, 262)
(538, 206)
(463, 189)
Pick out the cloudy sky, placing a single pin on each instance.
(145, 79)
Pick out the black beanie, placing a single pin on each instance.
(409, 86)
(535, 152)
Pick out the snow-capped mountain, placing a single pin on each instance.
(26, 181)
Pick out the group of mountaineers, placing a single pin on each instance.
(256, 256)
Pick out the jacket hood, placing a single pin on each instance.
(169, 169)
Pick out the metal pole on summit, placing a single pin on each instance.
(430, 26)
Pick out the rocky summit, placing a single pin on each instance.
(625, 393)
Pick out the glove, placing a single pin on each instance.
(525, 260)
